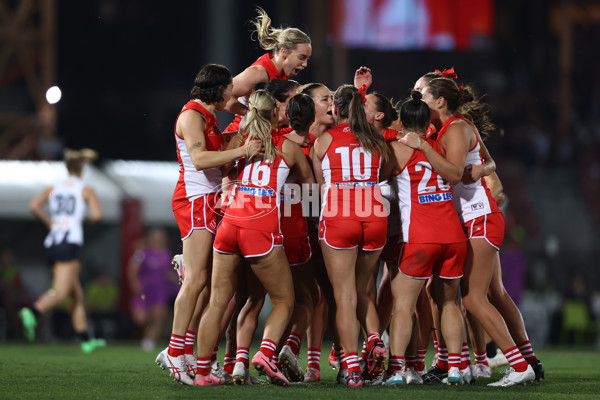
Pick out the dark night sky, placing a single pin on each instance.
(126, 68)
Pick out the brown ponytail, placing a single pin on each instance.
(350, 105)
(463, 101)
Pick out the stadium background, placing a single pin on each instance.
(125, 70)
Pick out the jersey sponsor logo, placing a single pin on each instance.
(477, 206)
(355, 184)
(434, 198)
(254, 191)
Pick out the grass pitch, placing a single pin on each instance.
(123, 371)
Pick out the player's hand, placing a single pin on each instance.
(411, 139)
(472, 173)
(254, 148)
(363, 76)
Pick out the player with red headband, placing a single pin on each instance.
(290, 49)
(497, 293)
(458, 134)
(426, 308)
(353, 223)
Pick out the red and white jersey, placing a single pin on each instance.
(351, 174)
(472, 200)
(265, 61)
(193, 183)
(254, 201)
(427, 213)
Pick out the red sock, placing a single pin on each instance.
(203, 366)
(442, 357)
(229, 363)
(342, 358)
(465, 356)
(421, 359)
(176, 345)
(351, 360)
(410, 361)
(241, 355)
(268, 347)
(435, 342)
(481, 358)
(364, 352)
(373, 338)
(294, 342)
(190, 337)
(515, 359)
(527, 352)
(214, 355)
(314, 358)
(453, 360)
(395, 364)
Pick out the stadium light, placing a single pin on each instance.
(53, 95)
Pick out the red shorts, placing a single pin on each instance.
(297, 249)
(423, 260)
(348, 234)
(200, 213)
(231, 239)
(489, 227)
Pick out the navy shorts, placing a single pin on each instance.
(63, 252)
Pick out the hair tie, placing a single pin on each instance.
(362, 90)
(447, 73)
(460, 89)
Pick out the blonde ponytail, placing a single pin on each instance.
(258, 123)
(270, 38)
(75, 159)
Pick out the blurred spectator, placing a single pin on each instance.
(101, 298)
(49, 145)
(153, 285)
(577, 324)
(13, 296)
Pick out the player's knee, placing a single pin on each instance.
(193, 286)
(283, 300)
(348, 299)
(470, 303)
(58, 295)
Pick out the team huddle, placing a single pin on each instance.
(304, 195)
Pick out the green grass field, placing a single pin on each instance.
(123, 371)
